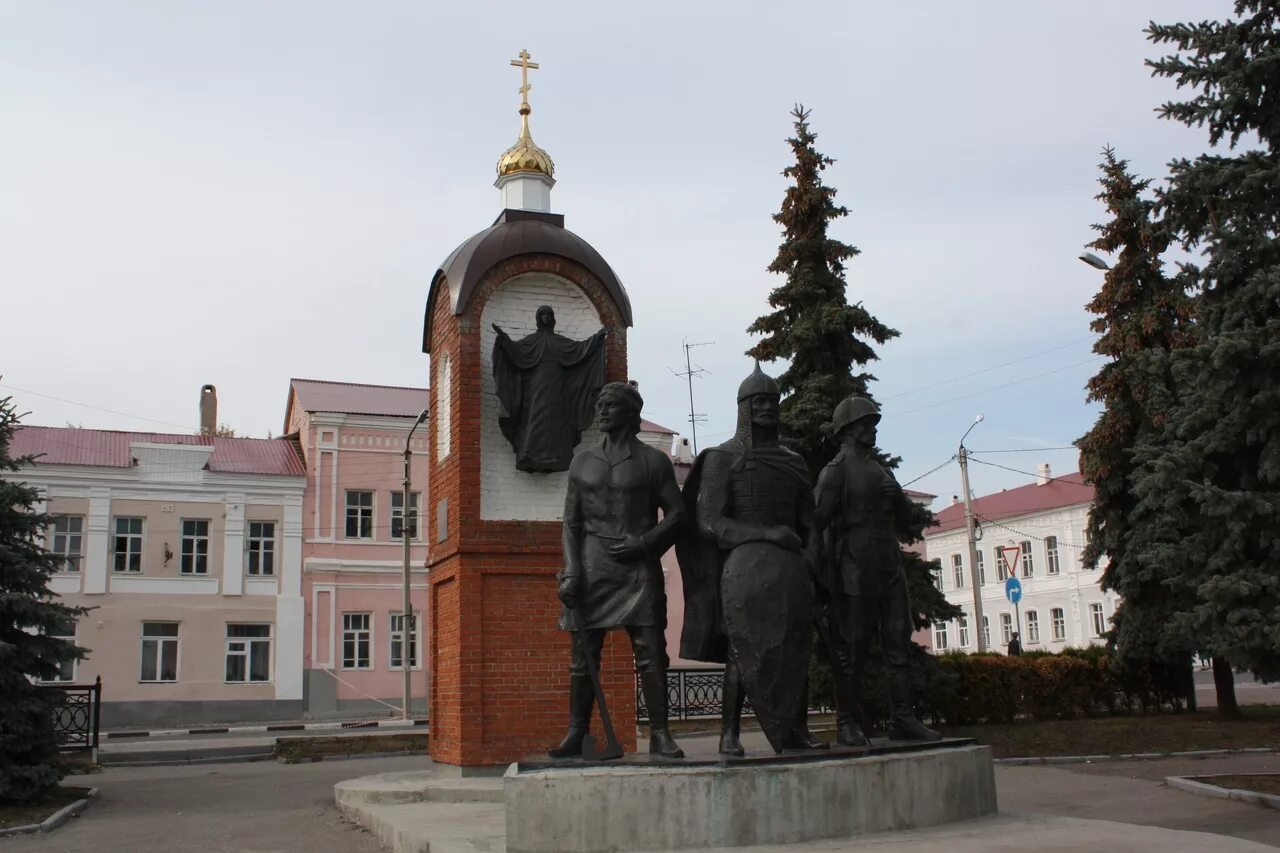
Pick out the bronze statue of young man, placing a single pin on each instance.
(746, 572)
(612, 576)
(861, 512)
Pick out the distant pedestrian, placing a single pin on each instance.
(1015, 645)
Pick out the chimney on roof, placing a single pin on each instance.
(955, 499)
(208, 410)
(1042, 474)
(681, 451)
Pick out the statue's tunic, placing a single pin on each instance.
(604, 504)
(863, 522)
(765, 592)
(546, 384)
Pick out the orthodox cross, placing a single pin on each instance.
(524, 65)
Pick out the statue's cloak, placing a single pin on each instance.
(547, 385)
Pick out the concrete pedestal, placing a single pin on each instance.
(782, 800)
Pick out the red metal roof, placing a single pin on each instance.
(353, 398)
(110, 449)
(650, 426)
(1059, 492)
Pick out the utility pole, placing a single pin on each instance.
(975, 579)
(688, 373)
(406, 618)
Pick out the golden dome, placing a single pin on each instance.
(525, 155)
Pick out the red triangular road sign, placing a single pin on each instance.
(1010, 554)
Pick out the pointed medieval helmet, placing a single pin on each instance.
(850, 410)
(758, 382)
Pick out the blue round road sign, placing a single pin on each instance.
(1013, 590)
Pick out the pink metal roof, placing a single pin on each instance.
(1059, 492)
(110, 449)
(352, 398)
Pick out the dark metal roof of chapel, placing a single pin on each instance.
(515, 233)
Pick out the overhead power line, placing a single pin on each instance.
(996, 387)
(988, 369)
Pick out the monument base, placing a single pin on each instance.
(574, 807)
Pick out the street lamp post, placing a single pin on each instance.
(406, 618)
(975, 579)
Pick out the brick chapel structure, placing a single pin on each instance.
(499, 665)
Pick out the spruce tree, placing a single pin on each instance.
(29, 760)
(1212, 483)
(1138, 310)
(827, 343)
(813, 326)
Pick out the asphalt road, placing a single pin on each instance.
(265, 807)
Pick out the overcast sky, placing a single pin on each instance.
(242, 192)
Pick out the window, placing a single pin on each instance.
(1028, 569)
(68, 535)
(1033, 626)
(195, 547)
(986, 632)
(262, 548)
(248, 653)
(962, 631)
(940, 636)
(957, 570)
(982, 570)
(1006, 628)
(65, 630)
(127, 547)
(357, 639)
(1059, 620)
(1002, 569)
(1051, 554)
(159, 651)
(397, 514)
(1099, 619)
(397, 638)
(359, 515)
(937, 572)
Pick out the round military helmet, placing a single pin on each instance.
(757, 383)
(851, 410)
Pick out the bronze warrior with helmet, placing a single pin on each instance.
(861, 513)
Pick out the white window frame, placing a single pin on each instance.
(67, 542)
(415, 511)
(357, 634)
(262, 547)
(128, 561)
(243, 647)
(962, 632)
(191, 560)
(159, 642)
(986, 631)
(1098, 616)
(1002, 571)
(395, 633)
(66, 669)
(937, 573)
(940, 641)
(1027, 561)
(1033, 627)
(1006, 627)
(957, 570)
(1052, 561)
(1058, 620)
(360, 510)
(982, 567)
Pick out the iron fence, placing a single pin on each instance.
(77, 715)
(696, 692)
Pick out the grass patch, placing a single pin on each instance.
(12, 814)
(1262, 783)
(1168, 732)
(292, 750)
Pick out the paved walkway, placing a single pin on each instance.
(265, 807)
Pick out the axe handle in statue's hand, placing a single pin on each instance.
(613, 748)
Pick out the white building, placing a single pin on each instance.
(1062, 604)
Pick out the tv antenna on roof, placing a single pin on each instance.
(689, 372)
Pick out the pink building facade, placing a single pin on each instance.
(354, 647)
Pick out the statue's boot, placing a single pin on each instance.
(654, 687)
(802, 738)
(731, 715)
(848, 732)
(904, 725)
(581, 699)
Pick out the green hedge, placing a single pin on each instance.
(995, 688)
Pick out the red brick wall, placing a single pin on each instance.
(499, 666)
